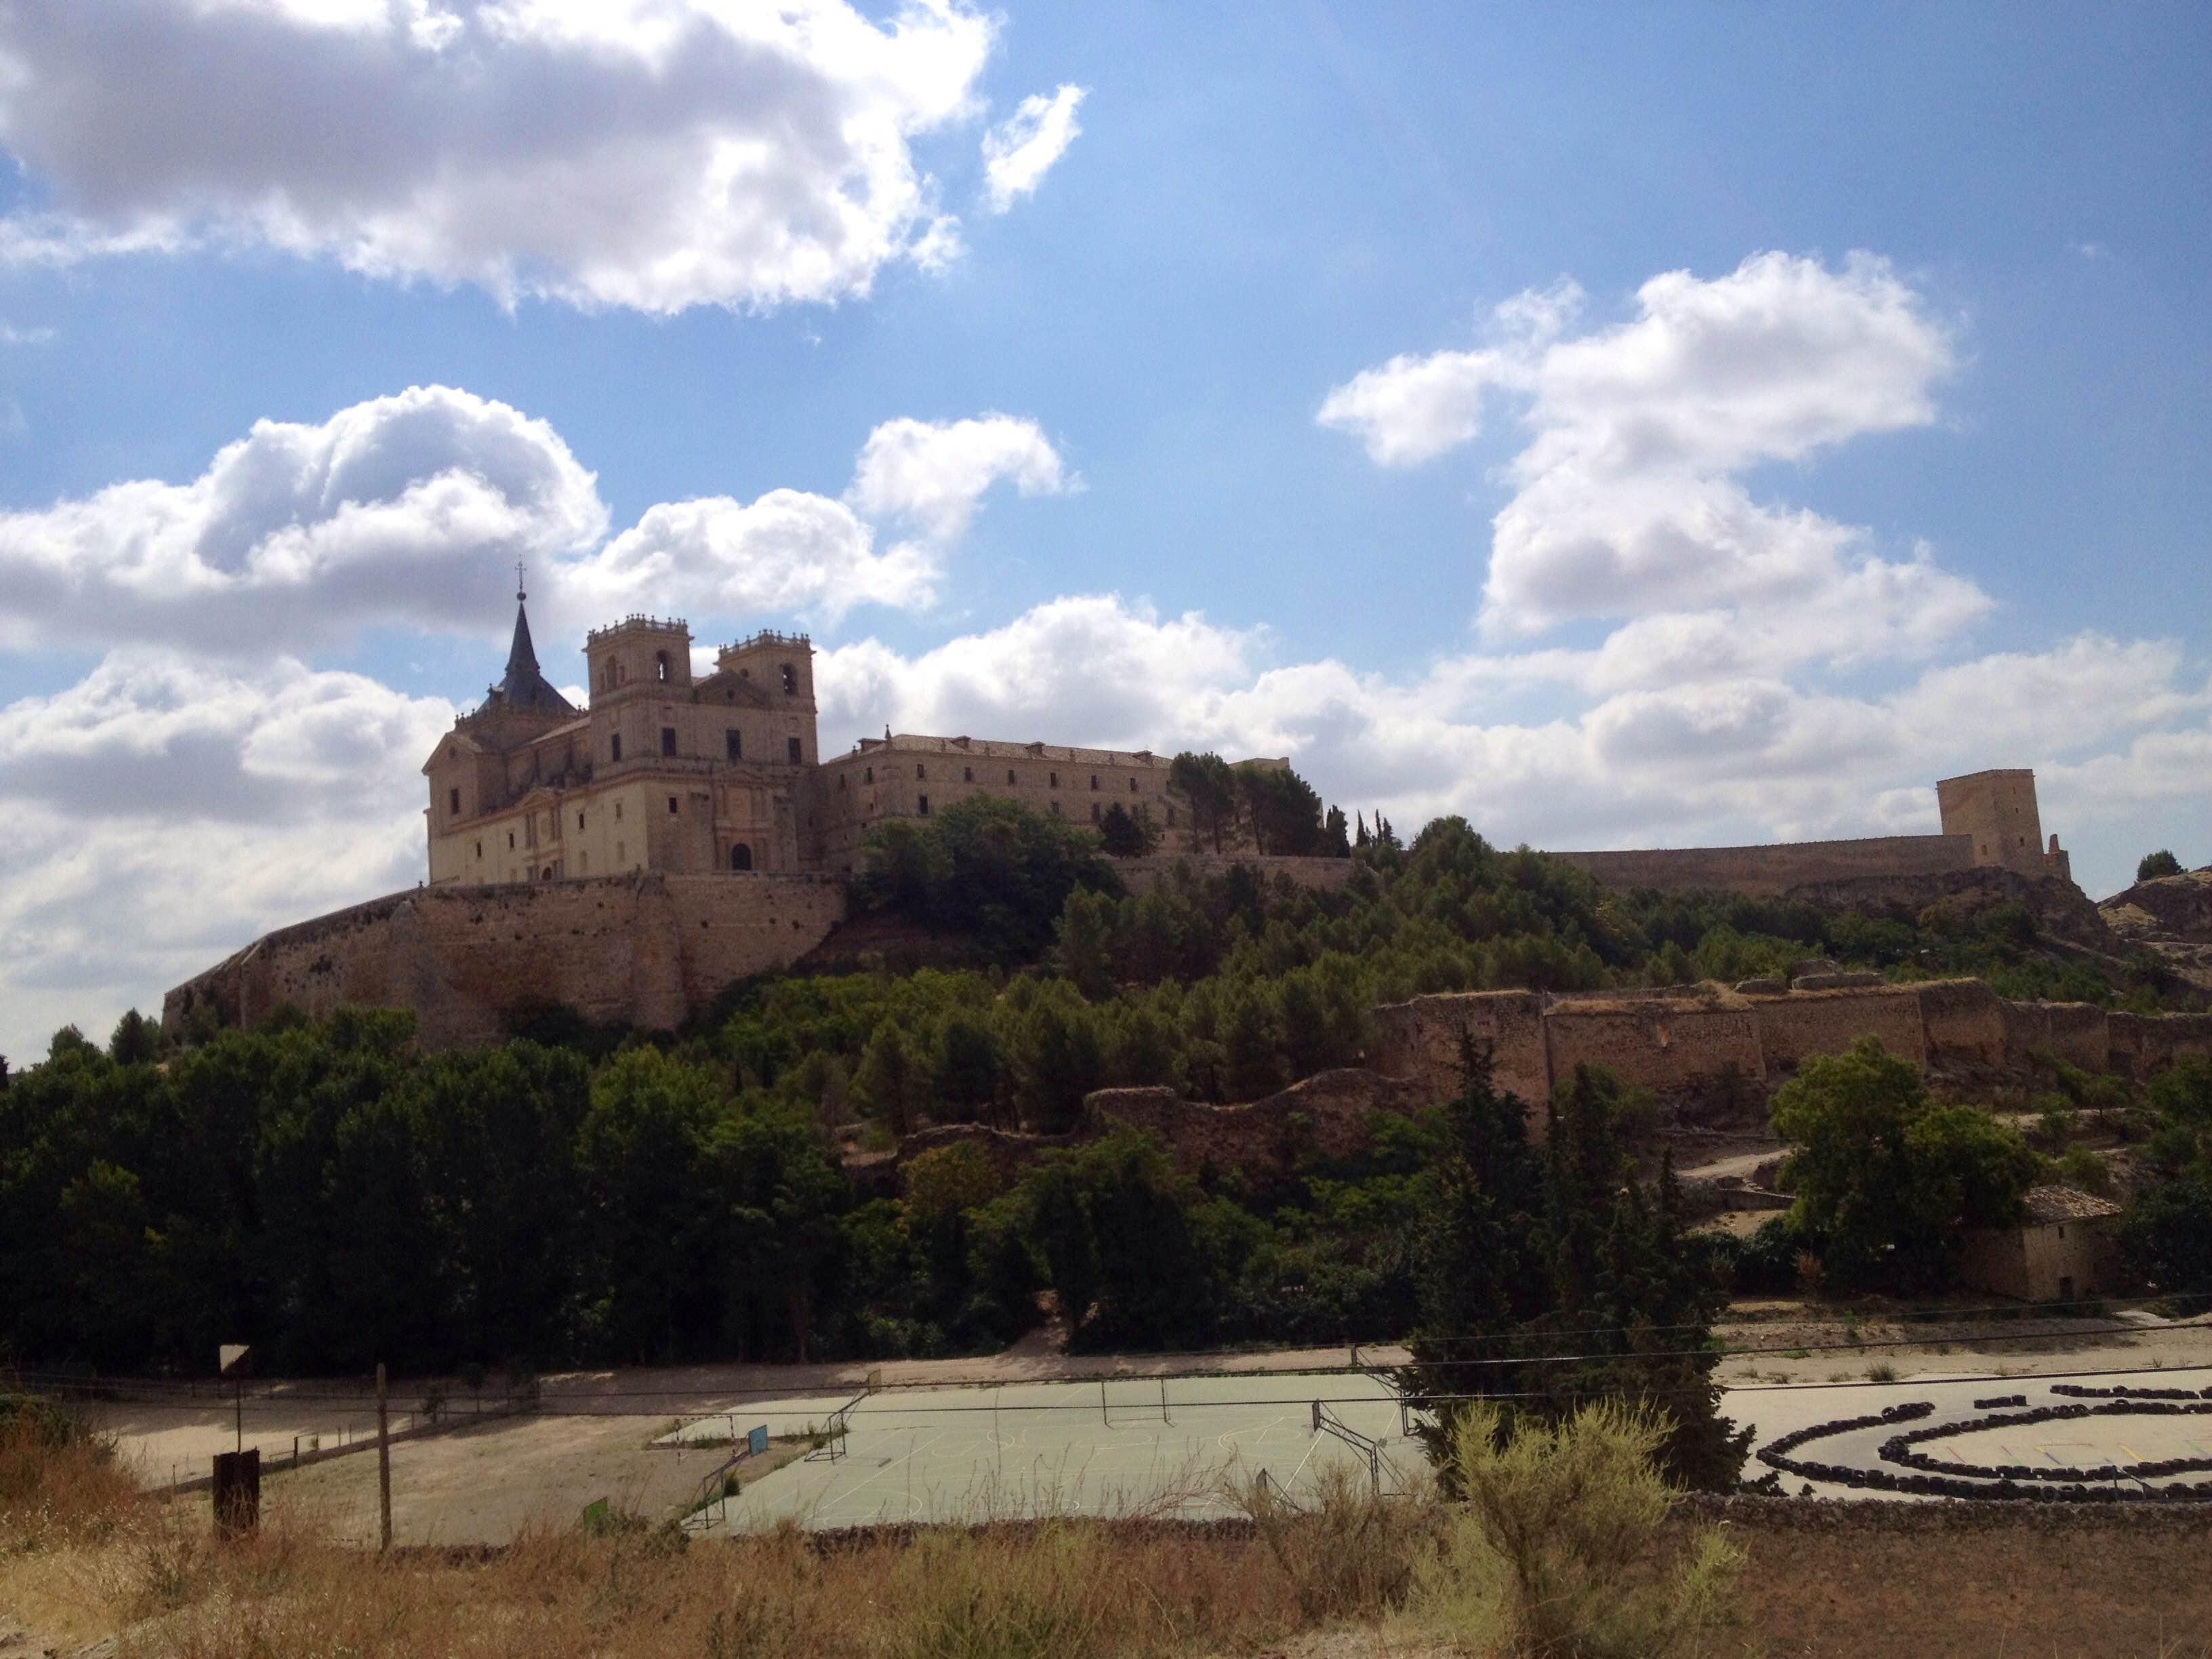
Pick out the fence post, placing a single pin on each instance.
(383, 1463)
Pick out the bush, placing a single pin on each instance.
(1558, 1551)
(2155, 864)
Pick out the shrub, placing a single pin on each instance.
(1558, 1552)
(2155, 864)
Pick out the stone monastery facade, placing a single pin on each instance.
(664, 773)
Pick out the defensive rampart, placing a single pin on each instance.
(642, 950)
(1689, 1038)
(1771, 871)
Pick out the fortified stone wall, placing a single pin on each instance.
(1771, 871)
(1686, 1038)
(646, 949)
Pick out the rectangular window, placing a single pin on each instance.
(792, 750)
(580, 820)
(1011, 778)
(1094, 779)
(921, 805)
(616, 745)
(734, 741)
(671, 807)
(479, 849)
(454, 802)
(1055, 780)
(1132, 786)
(920, 770)
(667, 739)
(510, 841)
(967, 775)
(617, 811)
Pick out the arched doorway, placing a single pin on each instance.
(741, 857)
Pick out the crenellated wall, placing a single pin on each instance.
(644, 950)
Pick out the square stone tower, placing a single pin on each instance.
(1998, 810)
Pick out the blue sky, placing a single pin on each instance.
(1621, 425)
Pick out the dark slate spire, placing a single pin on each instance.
(525, 687)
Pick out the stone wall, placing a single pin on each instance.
(644, 950)
(1330, 1113)
(1683, 1039)
(1771, 871)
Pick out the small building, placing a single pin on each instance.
(2064, 1248)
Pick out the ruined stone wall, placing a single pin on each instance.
(1827, 1022)
(1770, 871)
(1419, 1040)
(1330, 1113)
(1681, 1040)
(1668, 1044)
(641, 950)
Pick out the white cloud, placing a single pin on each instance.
(412, 509)
(12, 336)
(935, 474)
(655, 153)
(1627, 499)
(1020, 150)
(161, 812)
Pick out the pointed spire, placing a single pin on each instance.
(525, 685)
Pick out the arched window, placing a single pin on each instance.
(741, 856)
(660, 666)
(790, 681)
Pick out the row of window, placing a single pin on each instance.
(733, 744)
(968, 776)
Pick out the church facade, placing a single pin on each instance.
(664, 772)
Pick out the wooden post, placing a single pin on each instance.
(383, 1463)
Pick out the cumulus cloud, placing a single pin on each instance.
(1627, 501)
(933, 474)
(412, 509)
(162, 811)
(1020, 150)
(655, 153)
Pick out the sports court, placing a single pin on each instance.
(1122, 1446)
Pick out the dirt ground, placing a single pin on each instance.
(2011, 1593)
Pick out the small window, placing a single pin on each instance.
(840, 780)
(920, 771)
(667, 739)
(454, 802)
(1057, 812)
(671, 807)
(546, 874)
(660, 666)
(1011, 778)
(479, 849)
(617, 811)
(1055, 780)
(1094, 779)
(580, 820)
(1170, 817)
(734, 741)
(790, 681)
(1132, 786)
(741, 857)
(967, 775)
(510, 841)
(793, 751)
(616, 745)
(867, 774)
(1094, 812)
(921, 805)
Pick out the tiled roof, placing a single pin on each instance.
(2044, 1204)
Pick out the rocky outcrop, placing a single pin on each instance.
(2171, 915)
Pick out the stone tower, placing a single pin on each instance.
(1996, 810)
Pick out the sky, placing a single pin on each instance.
(1621, 425)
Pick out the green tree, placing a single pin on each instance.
(1281, 807)
(965, 1078)
(1084, 952)
(2155, 864)
(891, 1080)
(136, 1040)
(987, 868)
(1884, 1176)
(1057, 1057)
(1208, 787)
(1126, 835)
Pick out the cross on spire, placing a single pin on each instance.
(519, 595)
